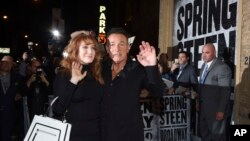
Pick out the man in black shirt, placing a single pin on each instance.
(124, 78)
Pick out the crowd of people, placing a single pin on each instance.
(100, 96)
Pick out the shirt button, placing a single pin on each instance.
(111, 84)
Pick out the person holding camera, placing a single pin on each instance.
(37, 88)
(23, 64)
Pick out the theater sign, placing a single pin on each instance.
(197, 22)
(102, 24)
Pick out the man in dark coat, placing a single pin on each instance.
(9, 84)
(124, 78)
(186, 79)
(185, 73)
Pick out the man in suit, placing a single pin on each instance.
(215, 78)
(185, 73)
(8, 96)
(186, 82)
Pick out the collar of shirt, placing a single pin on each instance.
(209, 63)
(183, 66)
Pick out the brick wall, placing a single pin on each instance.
(242, 101)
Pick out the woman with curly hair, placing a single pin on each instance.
(78, 86)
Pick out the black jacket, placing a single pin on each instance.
(121, 113)
(8, 107)
(82, 103)
(188, 78)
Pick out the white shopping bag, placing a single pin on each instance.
(45, 128)
(48, 129)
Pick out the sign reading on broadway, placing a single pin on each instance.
(166, 119)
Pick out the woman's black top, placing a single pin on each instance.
(82, 103)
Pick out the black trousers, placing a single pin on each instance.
(212, 130)
(7, 124)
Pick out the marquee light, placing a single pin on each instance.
(4, 50)
(102, 25)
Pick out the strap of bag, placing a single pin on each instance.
(53, 101)
(50, 106)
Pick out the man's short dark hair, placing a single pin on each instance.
(187, 54)
(118, 30)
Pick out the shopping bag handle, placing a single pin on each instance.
(50, 106)
(53, 101)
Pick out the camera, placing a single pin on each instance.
(176, 61)
(39, 71)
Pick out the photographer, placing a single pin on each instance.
(23, 64)
(37, 88)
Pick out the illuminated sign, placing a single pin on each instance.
(102, 25)
(4, 50)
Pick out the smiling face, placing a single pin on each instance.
(86, 52)
(118, 47)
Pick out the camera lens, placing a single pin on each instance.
(38, 73)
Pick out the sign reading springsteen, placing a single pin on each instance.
(166, 119)
(197, 22)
